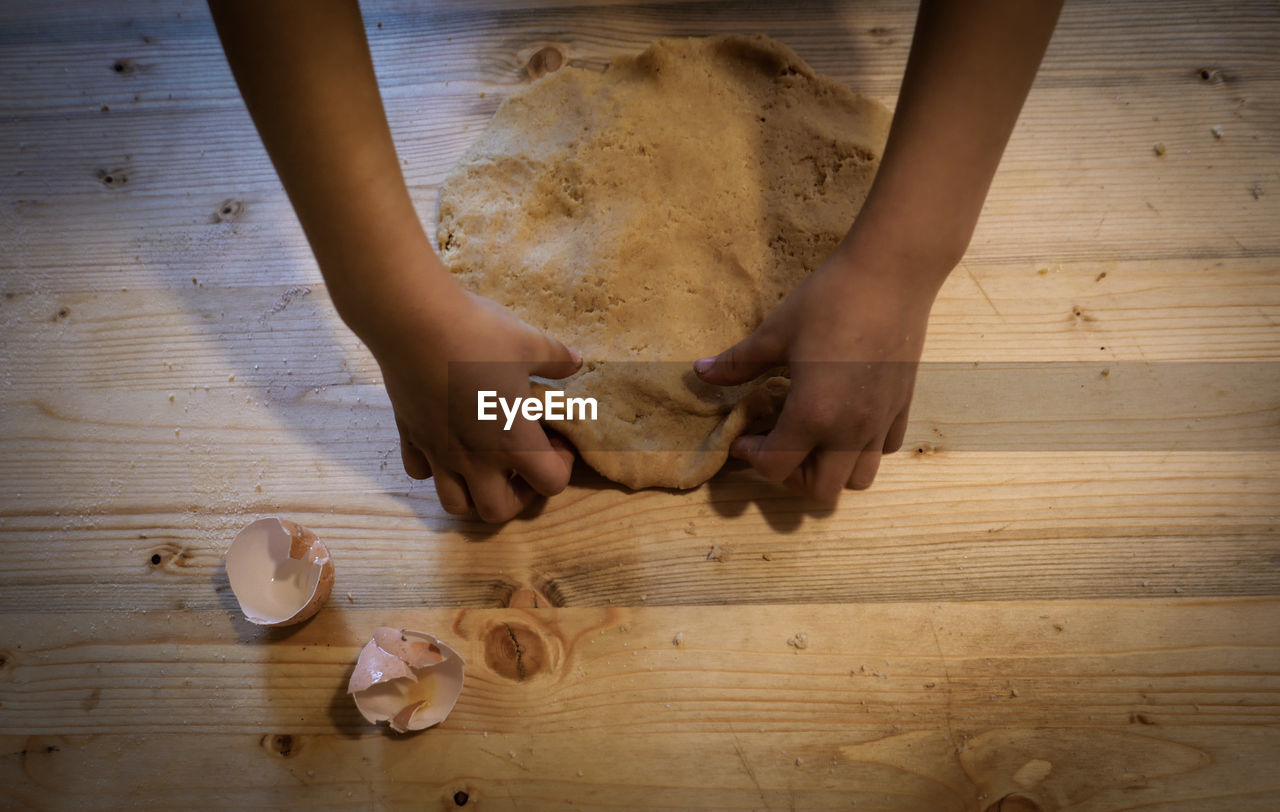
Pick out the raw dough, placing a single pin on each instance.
(653, 214)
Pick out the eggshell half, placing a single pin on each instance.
(280, 572)
(374, 665)
(410, 680)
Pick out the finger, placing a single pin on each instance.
(774, 455)
(562, 452)
(547, 472)
(451, 491)
(561, 446)
(897, 431)
(832, 470)
(494, 497)
(747, 359)
(799, 479)
(524, 494)
(543, 465)
(744, 446)
(555, 360)
(864, 473)
(415, 462)
(802, 478)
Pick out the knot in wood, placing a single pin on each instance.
(229, 209)
(548, 59)
(526, 598)
(285, 745)
(113, 178)
(515, 651)
(169, 556)
(1016, 802)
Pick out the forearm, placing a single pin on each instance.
(969, 71)
(305, 73)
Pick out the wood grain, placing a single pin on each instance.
(1088, 621)
(1080, 179)
(935, 526)
(949, 706)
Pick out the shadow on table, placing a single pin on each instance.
(730, 493)
(736, 487)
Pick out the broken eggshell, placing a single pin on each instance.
(407, 679)
(279, 571)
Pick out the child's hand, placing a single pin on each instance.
(970, 67)
(852, 335)
(433, 370)
(345, 183)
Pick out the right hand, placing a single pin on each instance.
(433, 365)
(852, 333)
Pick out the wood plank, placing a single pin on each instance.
(935, 526)
(156, 184)
(880, 770)
(462, 41)
(92, 446)
(131, 169)
(281, 341)
(1059, 182)
(897, 706)
(1055, 408)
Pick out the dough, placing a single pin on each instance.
(653, 214)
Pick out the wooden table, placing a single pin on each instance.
(988, 627)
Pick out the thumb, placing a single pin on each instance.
(747, 359)
(555, 360)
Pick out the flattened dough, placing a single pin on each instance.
(653, 214)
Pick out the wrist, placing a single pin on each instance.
(404, 292)
(910, 225)
(896, 258)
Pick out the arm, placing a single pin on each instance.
(307, 79)
(969, 71)
(305, 73)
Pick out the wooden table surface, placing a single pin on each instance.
(991, 626)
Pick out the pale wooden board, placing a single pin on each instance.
(936, 524)
(1080, 179)
(942, 706)
(183, 271)
(198, 334)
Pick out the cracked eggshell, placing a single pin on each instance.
(410, 680)
(279, 571)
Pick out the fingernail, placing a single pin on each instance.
(576, 356)
(703, 365)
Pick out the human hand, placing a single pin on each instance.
(852, 334)
(433, 366)
(968, 73)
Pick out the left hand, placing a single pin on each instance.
(852, 334)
